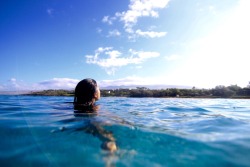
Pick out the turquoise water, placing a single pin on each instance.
(44, 131)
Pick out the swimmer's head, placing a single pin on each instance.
(86, 93)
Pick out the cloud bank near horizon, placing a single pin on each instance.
(69, 83)
(55, 83)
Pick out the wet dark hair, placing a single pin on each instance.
(85, 93)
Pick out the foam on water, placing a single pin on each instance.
(44, 131)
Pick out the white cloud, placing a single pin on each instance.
(56, 83)
(108, 19)
(114, 33)
(13, 85)
(150, 34)
(127, 81)
(154, 81)
(140, 8)
(111, 59)
(12, 80)
(136, 10)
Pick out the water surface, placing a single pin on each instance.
(44, 131)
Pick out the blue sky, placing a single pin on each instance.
(52, 44)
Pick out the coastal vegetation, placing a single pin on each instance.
(220, 91)
(52, 92)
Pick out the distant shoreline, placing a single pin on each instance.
(180, 97)
(232, 92)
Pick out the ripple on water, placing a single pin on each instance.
(176, 132)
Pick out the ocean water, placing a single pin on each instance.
(44, 131)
